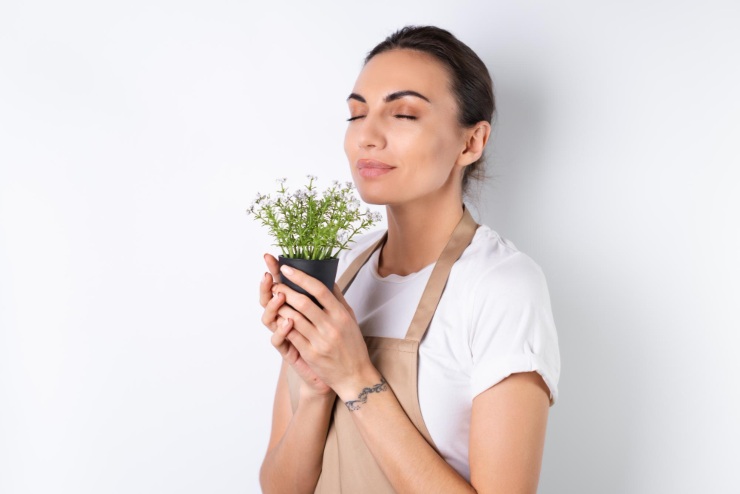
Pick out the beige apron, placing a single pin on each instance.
(348, 466)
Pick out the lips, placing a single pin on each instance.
(373, 168)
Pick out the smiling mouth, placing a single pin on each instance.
(372, 168)
(373, 165)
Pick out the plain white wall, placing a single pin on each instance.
(133, 135)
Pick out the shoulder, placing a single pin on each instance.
(493, 266)
(507, 313)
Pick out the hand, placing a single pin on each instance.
(328, 340)
(281, 327)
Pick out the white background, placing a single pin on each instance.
(133, 135)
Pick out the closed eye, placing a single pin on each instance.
(397, 116)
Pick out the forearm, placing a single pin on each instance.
(294, 463)
(407, 460)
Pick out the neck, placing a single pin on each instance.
(417, 234)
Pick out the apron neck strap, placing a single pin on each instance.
(461, 237)
(350, 273)
(459, 241)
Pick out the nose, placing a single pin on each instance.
(370, 132)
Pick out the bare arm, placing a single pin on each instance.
(295, 451)
(507, 435)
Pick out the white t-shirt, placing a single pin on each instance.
(494, 319)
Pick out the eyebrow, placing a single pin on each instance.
(391, 97)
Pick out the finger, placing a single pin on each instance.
(287, 312)
(300, 342)
(270, 314)
(283, 346)
(273, 266)
(265, 289)
(278, 337)
(300, 303)
(312, 286)
(299, 322)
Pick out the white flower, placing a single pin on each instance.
(335, 216)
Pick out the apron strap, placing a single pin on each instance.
(351, 272)
(459, 241)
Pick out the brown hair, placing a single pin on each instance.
(471, 82)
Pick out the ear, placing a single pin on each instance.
(475, 142)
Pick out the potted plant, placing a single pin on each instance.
(311, 228)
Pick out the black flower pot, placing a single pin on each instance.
(324, 270)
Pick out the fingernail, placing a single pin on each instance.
(286, 270)
(265, 276)
(286, 322)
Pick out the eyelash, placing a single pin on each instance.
(409, 117)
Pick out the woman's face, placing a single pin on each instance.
(403, 148)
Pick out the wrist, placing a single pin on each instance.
(309, 395)
(353, 388)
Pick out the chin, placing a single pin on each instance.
(370, 193)
(372, 197)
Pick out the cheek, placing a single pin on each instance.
(448, 146)
(351, 148)
(436, 153)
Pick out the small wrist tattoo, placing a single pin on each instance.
(362, 398)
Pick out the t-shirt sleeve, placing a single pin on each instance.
(512, 328)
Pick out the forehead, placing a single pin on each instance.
(404, 69)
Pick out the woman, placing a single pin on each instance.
(361, 405)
